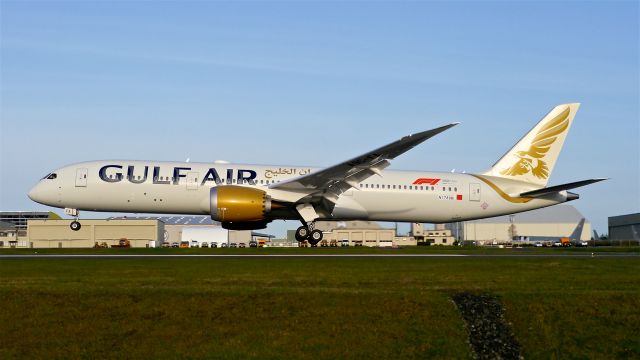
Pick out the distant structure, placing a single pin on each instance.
(624, 227)
(20, 218)
(552, 222)
(8, 234)
(175, 225)
(28, 229)
(358, 233)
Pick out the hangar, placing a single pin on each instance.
(554, 221)
(58, 234)
(625, 227)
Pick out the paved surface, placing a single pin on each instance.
(193, 256)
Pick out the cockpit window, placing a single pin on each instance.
(51, 176)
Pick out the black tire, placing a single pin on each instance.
(75, 226)
(316, 235)
(302, 233)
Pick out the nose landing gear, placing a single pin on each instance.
(75, 224)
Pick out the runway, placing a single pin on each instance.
(310, 256)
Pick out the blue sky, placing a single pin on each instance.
(265, 82)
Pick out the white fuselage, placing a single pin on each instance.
(183, 188)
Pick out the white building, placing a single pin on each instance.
(553, 222)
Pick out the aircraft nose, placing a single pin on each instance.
(35, 194)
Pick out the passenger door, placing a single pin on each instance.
(81, 177)
(474, 192)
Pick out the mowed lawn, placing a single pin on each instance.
(312, 308)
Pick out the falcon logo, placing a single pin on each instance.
(538, 149)
(427, 181)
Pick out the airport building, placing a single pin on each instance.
(625, 227)
(42, 230)
(58, 234)
(201, 229)
(552, 222)
(357, 233)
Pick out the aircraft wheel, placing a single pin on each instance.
(316, 236)
(302, 233)
(75, 226)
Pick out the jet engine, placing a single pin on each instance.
(238, 204)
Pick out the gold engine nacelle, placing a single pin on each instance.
(231, 203)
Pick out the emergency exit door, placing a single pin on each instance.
(474, 192)
(81, 177)
(192, 180)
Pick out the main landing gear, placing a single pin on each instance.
(307, 232)
(75, 224)
(308, 216)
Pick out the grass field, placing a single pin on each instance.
(311, 308)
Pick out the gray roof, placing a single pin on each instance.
(558, 214)
(172, 220)
(622, 220)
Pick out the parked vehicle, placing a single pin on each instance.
(204, 245)
(224, 245)
(175, 244)
(214, 244)
(333, 243)
(166, 245)
(253, 243)
(184, 244)
(242, 245)
(233, 245)
(344, 243)
(123, 243)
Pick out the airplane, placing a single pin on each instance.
(574, 238)
(248, 197)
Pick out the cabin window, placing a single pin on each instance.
(53, 176)
(394, 186)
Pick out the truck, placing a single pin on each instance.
(122, 243)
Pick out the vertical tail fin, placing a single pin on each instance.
(532, 159)
(577, 233)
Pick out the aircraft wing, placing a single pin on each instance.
(334, 180)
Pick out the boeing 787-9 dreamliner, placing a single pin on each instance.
(251, 196)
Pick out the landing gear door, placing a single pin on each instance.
(81, 177)
(192, 180)
(474, 192)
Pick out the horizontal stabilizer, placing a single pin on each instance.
(557, 188)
